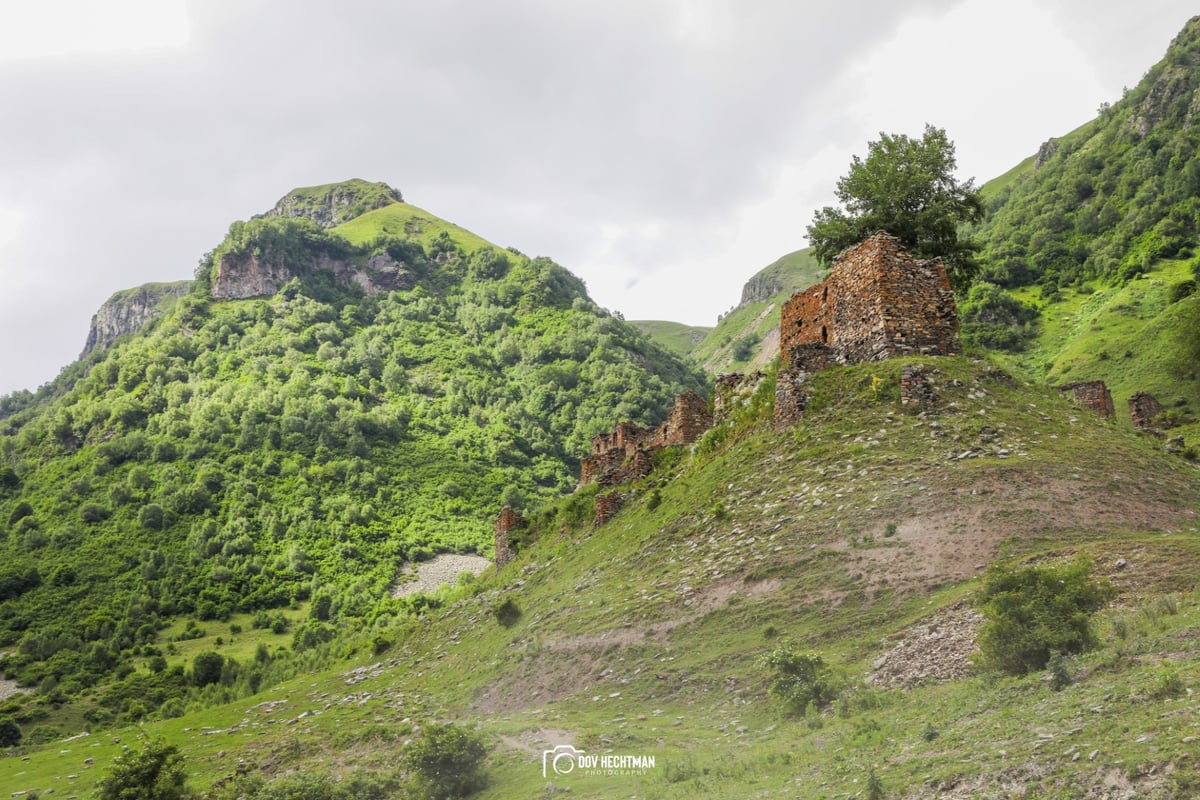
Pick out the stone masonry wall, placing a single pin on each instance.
(615, 455)
(1143, 408)
(1093, 395)
(507, 523)
(878, 302)
(607, 506)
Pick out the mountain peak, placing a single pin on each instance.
(332, 204)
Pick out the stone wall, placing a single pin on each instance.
(686, 423)
(1093, 395)
(790, 396)
(607, 506)
(622, 455)
(878, 302)
(916, 386)
(1143, 409)
(507, 523)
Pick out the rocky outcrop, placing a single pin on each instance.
(240, 276)
(1046, 152)
(760, 289)
(131, 310)
(335, 203)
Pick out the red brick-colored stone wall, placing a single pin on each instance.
(507, 523)
(686, 423)
(1093, 395)
(878, 302)
(621, 455)
(607, 506)
(1143, 408)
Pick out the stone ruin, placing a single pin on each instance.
(626, 453)
(1145, 411)
(607, 506)
(1092, 395)
(878, 302)
(508, 523)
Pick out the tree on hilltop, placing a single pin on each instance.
(906, 187)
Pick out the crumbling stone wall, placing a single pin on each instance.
(916, 386)
(878, 302)
(508, 523)
(607, 506)
(1143, 409)
(790, 396)
(615, 456)
(1092, 395)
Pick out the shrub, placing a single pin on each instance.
(507, 613)
(446, 762)
(800, 679)
(1033, 612)
(156, 772)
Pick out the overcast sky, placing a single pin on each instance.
(663, 150)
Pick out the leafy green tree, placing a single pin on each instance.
(906, 187)
(446, 762)
(800, 679)
(156, 772)
(1030, 613)
(206, 668)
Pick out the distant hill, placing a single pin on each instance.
(676, 337)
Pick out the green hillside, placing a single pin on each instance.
(675, 337)
(270, 463)
(859, 535)
(1099, 235)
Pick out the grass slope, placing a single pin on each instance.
(842, 534)
(674, 337)
(1129, 336)
(407, 220)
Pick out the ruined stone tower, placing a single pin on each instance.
(878, 302)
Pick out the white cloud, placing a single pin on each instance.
(56, 29)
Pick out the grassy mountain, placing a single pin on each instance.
(859, 535)
(326, 404)
(675, 337)
(1098, 234)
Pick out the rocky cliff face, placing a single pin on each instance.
(335, 203)
(242, 276)
(131, 310)
(760, 288)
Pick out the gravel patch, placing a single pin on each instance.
(442, 569)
